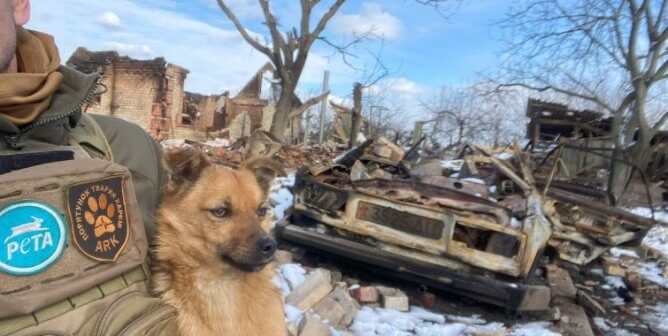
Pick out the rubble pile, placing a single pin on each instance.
(511, 228)
(259, 143)
(322, 302)
(487, 225)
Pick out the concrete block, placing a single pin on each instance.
(329, 311)
(393, 298)
(293, 329)
(588, 302)
(634, 281)
(311, 325)
(616, 270)
(365, 294)
(560, 282)
(316, 286)
(340, 295)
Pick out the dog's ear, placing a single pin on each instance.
(184, 167)
(265, 171)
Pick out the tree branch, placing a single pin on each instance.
(662, 121)
(277, 39)
(325, 19)
(307, 104)
(244, 33)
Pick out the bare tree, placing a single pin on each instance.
(611, 53)
(288, 53)
(455, 117)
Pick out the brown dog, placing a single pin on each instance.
(212, 248)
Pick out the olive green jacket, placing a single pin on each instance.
(130, 310)
(129, 144)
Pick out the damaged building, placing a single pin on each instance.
(586, 147)
(549, 121)
(147, 92)
(151, 94)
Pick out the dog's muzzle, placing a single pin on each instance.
(266, 247)
(261, 255)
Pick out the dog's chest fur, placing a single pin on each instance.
(238, 305)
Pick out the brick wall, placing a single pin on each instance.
(151, 94)
(253, 107)
(102, 104)
(134, 93)
(207, 110)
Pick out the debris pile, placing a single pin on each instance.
(322, 302)
(467, 234)
(512, 228)
(488, 225)
(259, 143)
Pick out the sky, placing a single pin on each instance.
(423, 48)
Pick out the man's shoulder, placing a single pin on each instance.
(133, 147)
(130, 144)
(120, 129)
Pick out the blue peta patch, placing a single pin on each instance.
(32, 237)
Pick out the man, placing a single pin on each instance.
(96, 281)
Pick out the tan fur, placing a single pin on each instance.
(213, 296)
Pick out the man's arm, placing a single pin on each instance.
(133, 148)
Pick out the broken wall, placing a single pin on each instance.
(206, 110)
(149, 93)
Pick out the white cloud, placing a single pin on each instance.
(242, 8)
(140, 51)
(217, 58)
(109, 19)
(371, 18)
(406, 87)
(404, 94)
(213, 51)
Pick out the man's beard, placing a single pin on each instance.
(7, 39)
(6, 58)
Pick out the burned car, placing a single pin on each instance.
(440, 231)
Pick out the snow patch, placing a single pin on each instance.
(658, 319)
(280, 196)
(534, 329)
(474, 180)
(618, 252)
(174, 143)
(650, 271)
(293, 314)
(454, 165)
(293, 274)
(218, 142)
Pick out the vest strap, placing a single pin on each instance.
(14, 324)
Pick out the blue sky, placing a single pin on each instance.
(424, 49)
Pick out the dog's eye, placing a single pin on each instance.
(262, 211)
(220, 212)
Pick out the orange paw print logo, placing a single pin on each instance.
(100, 215)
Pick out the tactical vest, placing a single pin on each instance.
(72, 243)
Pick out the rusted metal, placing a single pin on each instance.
(475, 189)
(511, 295)
(444, 222)
(601, 208)
(400, 220)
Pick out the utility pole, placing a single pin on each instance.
(370, 119)
(306, 126)
(323, 108)
(356, 115)
(379, 114)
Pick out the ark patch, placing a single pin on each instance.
(32, 236)
(99, 218)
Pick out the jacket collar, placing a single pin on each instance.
(68, 99)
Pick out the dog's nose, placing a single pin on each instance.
(267, 247)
